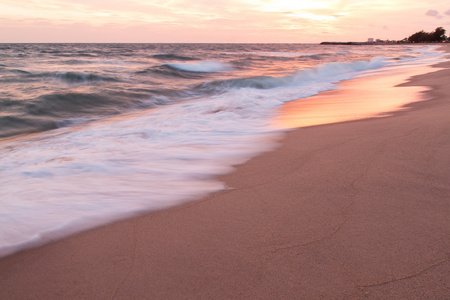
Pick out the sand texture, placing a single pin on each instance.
(353, 210)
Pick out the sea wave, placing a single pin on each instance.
(331, 72)
(69, 105)
(15, 71)
(171, 56)
(165, 71)
(256, 82)
(15, 125)
(48, 110)
(342, 70)
(77, 77)
(202, 67)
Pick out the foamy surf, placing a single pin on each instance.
(202, 66)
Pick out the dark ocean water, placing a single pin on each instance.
(118, 129)
(46, 86)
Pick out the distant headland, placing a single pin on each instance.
(360, 43)
(436, 36)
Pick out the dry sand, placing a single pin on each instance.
(352, 210)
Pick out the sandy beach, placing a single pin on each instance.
(350, 210)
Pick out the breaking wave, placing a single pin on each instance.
(202, 67)
(330, 72)
(172, 57)
(165, 71)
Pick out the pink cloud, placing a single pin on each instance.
(433, 13)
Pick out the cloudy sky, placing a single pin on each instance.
(293, 21)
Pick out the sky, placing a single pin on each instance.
(216, 21)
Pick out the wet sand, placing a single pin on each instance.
(352, 210)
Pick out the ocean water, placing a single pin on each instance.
(91, 133)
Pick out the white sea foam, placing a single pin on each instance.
(113, 168)
(202, 66)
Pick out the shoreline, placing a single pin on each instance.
(355, 99)
(300, 221)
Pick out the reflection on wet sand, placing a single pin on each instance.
(372, 95)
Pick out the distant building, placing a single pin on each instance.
(370, 40)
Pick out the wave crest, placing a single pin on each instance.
(171, 56)
(76, 77)
(201, 67)
(331, 72)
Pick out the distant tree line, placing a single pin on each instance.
(438, 36)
